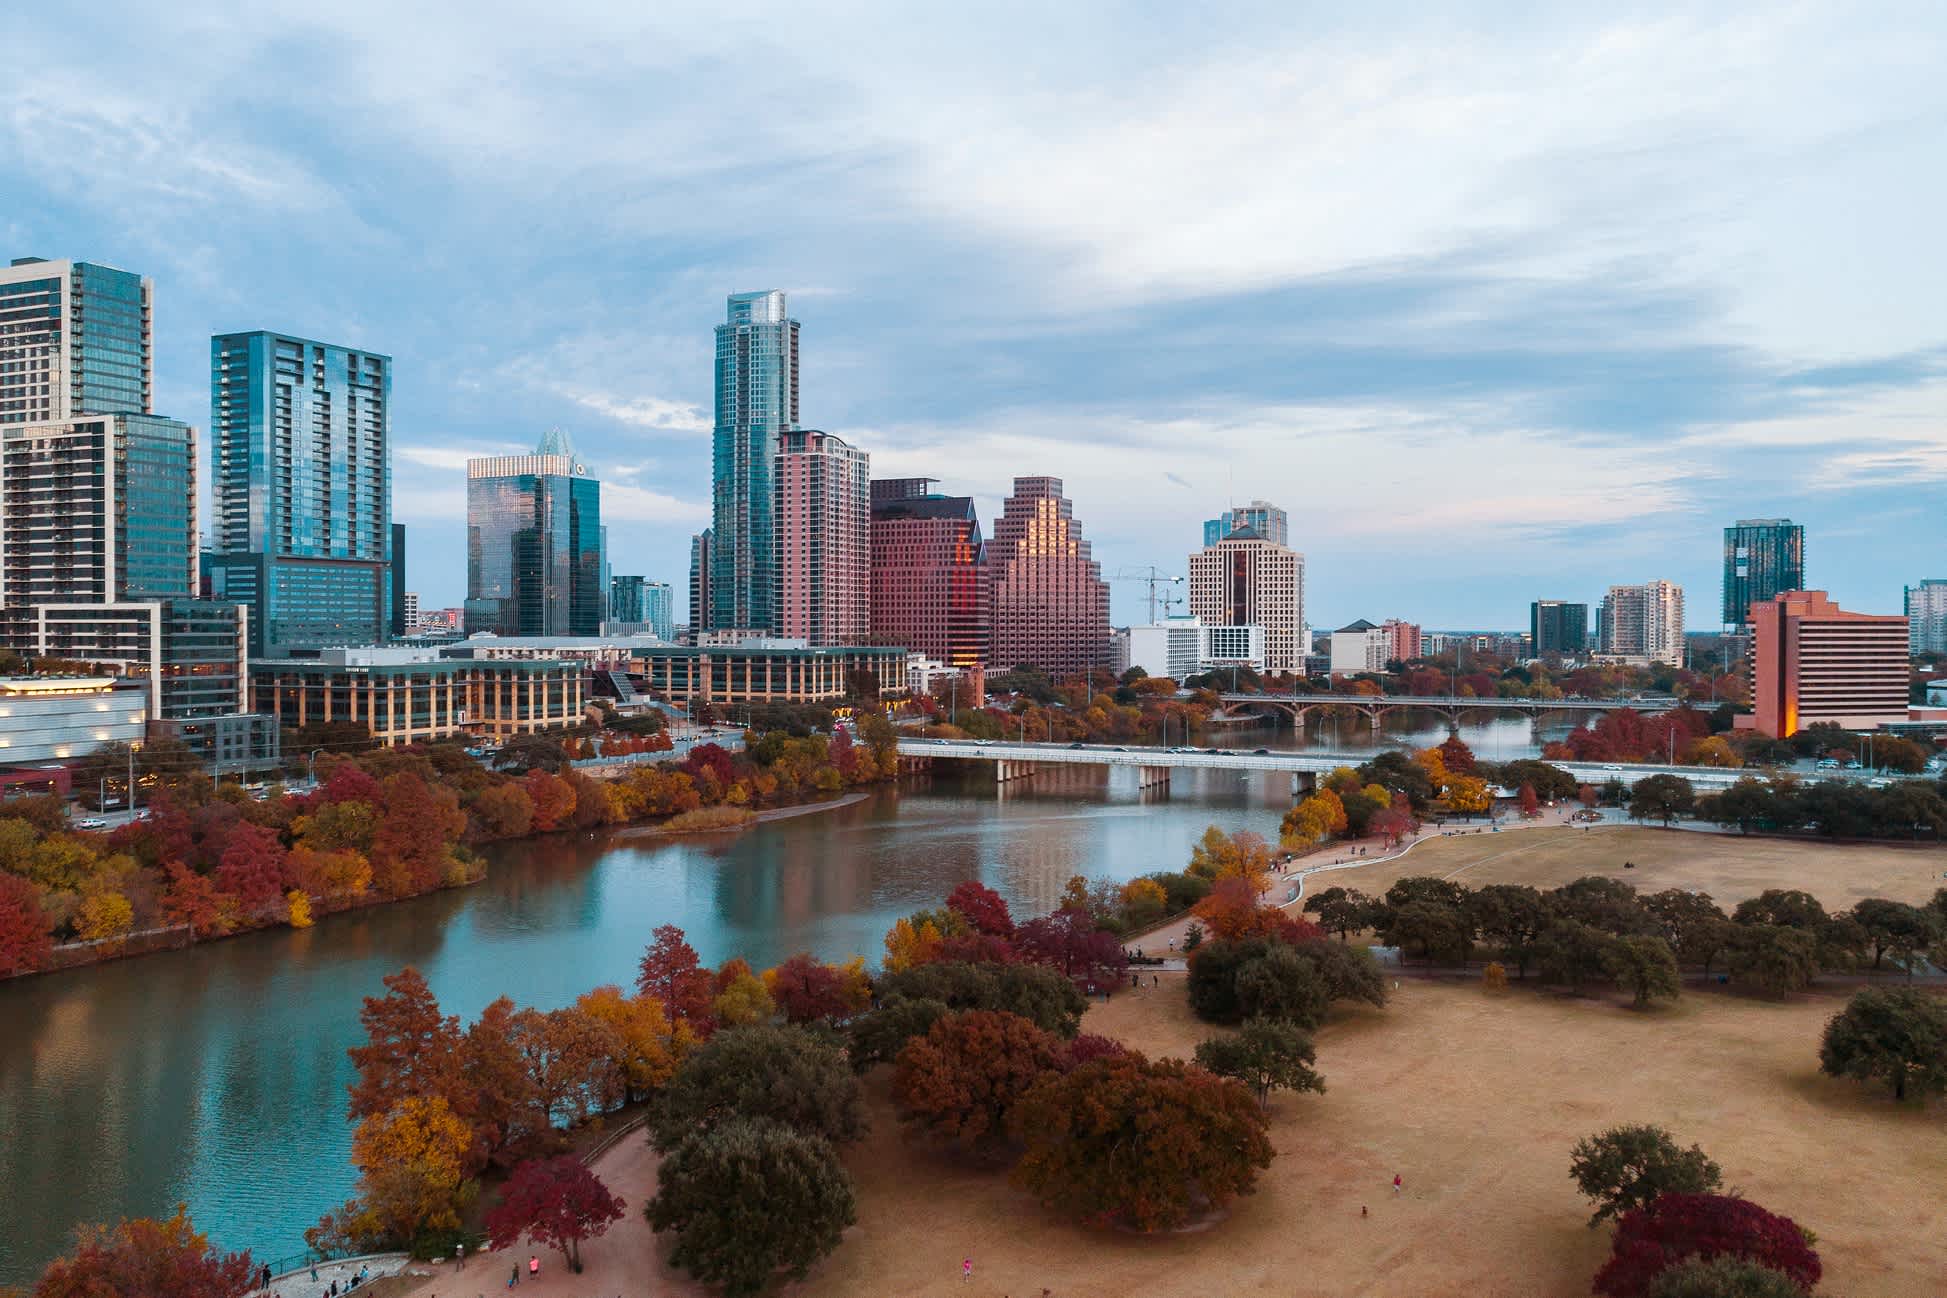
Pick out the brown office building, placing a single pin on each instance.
(929, 573)
(1051, 606)
(1811, 661)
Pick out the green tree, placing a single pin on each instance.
(1265, 1055)
(1779, 960)
(1661, 797)
(1895, 1035)
(1571, 954)
(1281, 984)
(751, 1198)
(1440, 931)
(1896, 929)
(1628, 1167)
(1512, 916)
(1723, 1277)
(794, 1075)
(1643, 966)
(1344, 911)
(1683, 918)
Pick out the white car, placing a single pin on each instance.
(1612, 767)
(91, 823)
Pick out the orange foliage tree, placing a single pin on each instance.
(156, 1259)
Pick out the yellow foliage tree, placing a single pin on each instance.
(1218, 856)
(104, 915)
(645, 1054)
(1145, 894)
(906, 948)
(744, 1001)
(410, 1158)
(855, 985)
(300, 904)
(1434, 763)
(1712, 750)
(1468, 794)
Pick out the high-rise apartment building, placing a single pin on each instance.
(1051, 606)
(700, 560)
(1557, 627)
(823, 535)
(97, 510)
(1261, 516)
(1404, 641)
(402, 623)
(534, 543)
(1811, 662)
(1644, 621)
(1926, 617)
(756, 400)
(1763, 558)
(406, 612)
(659, 609)
(75, 339)
(625, 598)
(301, 437)
(1247, 580)
(930, 584)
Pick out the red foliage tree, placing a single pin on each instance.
(712, 758)
(1396, 821)
(843, 754)
(961, 1080)
(25, 945)
(1088, 1047)
(1069, 941)
(412, 845)
(157, 1259)
(347, 784)
(1530, 801)
(190, 898)
(1455, 755)
(252, 869)
(978, 948)
(411, 1049)
(1232, 911)
(556, 1202)
(1704, 1226)
(807, 990)
(671, 974)
(982, 907)
(553, 798)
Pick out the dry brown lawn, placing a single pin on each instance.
(1727, 866)
(1475, 1099)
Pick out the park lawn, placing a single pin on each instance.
(1474, 1098)
(1730, 867)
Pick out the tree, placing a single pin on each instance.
(25, 945)
(502, 811)
(750, 1198)
(645, 1045)
(411, 1162)
(808, 990)
(1344, 911)
(1571, 953)
(1440, 931)
(1786, 907)
(878, 1037)
(1643, 966)
(1685, 920)
(1348, 972)
(557, 1203)
(1149, 1144)
(1706, 1226)
(959, 1082)
(1281, 984)
(671, 973)
(1265, 1055)
(1779, 960)
(157, 1259)
(1601, 902)
(1043, 996)
(1468, 795)
(1723, 1277)
(1218, 856)
(1530, 801)
(1626, 1168)
(786, 1074)
(1512, 916)
(1895, 1035)
(573, 1061)
(1069, 941)
(411, 1050)
(552, 797)
(743, 1001)
(1896, 929)
(1661, 797)
(983, 908)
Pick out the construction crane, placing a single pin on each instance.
(1152, 576)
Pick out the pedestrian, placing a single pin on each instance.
(514, 1276)
(1397, 1183)
(1363, 1212)
(314, 1273)
(266, 1278)
(966, 1269)
(1172, 944)
(533, 1265)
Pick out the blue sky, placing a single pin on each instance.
(1500, 301)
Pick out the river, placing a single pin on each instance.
(216, 1075)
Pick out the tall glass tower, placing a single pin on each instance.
(76, 341)
(534, 543)
(1763, 558)
(757, 398)
(300, 434)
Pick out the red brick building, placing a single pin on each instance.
(1812, 661)
(823, 527)
(1051, 606)
(930, 588)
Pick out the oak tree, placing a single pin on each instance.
(787, 1074)
(1626, 1168)
(1894, 1035)
(959, 1082)
(1265, 1055)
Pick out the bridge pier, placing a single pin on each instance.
(1150, 777)
(1006, 771)
(1303, 783)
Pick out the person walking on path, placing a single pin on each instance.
(514, 1276)
(1397, 1183)
(459, 1257)
(966, 1269)
(533, 1266)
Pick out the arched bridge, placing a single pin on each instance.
(1374, 707)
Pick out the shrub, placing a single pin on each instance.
(1705, 1226)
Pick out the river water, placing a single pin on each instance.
(216, 1075)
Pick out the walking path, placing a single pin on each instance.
(299, 1284)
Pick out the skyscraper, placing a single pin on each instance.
(822, 538)
(625, 598)
(1247, 580)
(1051, 606)
(756, 399)
(75, 339)
(1926, 616)
(700, 560)
(301, 436)
(659, 609)
(1261, 516)
(533, 543)
(1644, 621)
(1557, 627)
(1763, 558)
(930, 590)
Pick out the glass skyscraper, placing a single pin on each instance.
(1261, 516)
(75, 339)
(756, 399)
(1763, 558)
(534, 543)
(300, 436)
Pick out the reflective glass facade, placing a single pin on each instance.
(756, 399)
(1763, 558)
(75, 339)
(534, 551)
(300, 437)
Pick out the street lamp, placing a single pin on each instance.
(311, 768)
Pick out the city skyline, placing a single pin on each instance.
(1648, 326)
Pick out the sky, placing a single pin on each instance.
(1500, 301)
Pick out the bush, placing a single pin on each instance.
(704, 820)
(796, 1076)
(1723, 1277)
(749, 1199)
(1706, 1226)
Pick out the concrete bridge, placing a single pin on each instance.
(1375, 706)
(1014, 761)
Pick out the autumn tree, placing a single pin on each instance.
(742, 1001)
(983, 908)
(25, 944)
(807, 990)
(411, 1162)
(502, 811)
(1218, 856)
(555, 1202)
(1265, 1055)
(1626, 1168)
(411, 1050)
(671, 974)
(553, 799)
(1894, 1035)
(1068, 940)
(1148, 1144)
(959, 1082)
(750, 1198)
(1707, 1226)
(499, 1102)
(786, 1074)
(1530, 801)
(646, 1048)
(155, 1259)
(571, 1061)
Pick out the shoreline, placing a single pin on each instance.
(757, 818)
